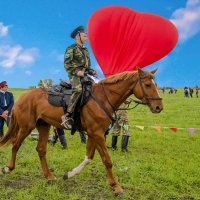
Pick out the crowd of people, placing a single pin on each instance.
(188, 91)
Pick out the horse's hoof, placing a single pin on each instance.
(6, 170)
(51, 179)
(118, 191)
(65, 176)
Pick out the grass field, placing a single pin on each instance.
(159, 165)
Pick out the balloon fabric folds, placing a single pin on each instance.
(122, 39)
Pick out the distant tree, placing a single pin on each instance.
(45, 83)
(40, 84)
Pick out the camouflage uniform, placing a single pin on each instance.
(76, 59)
(121, 123)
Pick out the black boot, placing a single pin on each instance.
(67, 120)
(114, 142)
(63, 141)
(106, 133)
(83, 137)
(125, 143)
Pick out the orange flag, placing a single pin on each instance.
(157, 128)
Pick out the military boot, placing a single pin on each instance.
(125, 143)
(67, 120)
(114, 142)
(83, 137)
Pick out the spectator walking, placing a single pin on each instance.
(191, 92)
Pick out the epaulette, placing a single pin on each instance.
(73, 45)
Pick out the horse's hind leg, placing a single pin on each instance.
(21, 135)
(43, 129)
(90, 150)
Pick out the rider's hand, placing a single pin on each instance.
(81, 73)
(95, 74)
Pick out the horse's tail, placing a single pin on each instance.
(12, 131)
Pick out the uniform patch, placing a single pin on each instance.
(67, 55)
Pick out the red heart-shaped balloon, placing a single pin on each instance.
(122, 39)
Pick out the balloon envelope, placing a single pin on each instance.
(122, 39)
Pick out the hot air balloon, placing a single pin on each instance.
(122, 39)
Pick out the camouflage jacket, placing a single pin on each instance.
(77, 58)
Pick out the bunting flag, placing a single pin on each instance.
(140, 127)
(173, 129)
(157, 128)
(191, 130)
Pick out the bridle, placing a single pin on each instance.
(147, 99)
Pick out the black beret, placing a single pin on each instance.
(79, 29)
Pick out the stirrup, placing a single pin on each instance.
(67, 122)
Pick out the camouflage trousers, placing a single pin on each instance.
(121, 124)
(76, 93)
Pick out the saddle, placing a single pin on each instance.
(59, 96)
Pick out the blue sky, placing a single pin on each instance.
(35, 33)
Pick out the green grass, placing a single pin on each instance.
(159, 165)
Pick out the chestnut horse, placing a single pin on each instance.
(32, 110)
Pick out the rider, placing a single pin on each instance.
(76, 63)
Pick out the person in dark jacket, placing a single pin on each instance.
(6, 104)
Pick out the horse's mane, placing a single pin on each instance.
(118, 77)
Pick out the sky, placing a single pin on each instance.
(35, 33)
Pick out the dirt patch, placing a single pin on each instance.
(21, 182)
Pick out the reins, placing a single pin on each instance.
(113, 119)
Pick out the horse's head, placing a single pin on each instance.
(146, 90)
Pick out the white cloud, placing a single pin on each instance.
(16, 55)
(28, 72)
(3, 30)
(187, 20)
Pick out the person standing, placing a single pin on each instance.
(121, 124)
(59, 133)
(6, 104)
(197, 91)
(77, 64)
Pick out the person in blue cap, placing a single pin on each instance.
(77, 64)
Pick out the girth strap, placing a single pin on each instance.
(103, 108)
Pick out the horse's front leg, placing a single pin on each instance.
(103, 151)
(90, 150)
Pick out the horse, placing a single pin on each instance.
(32, 110)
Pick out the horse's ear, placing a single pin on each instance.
(154, 71)
(140, 71)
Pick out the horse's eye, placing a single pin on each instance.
(148, 85)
